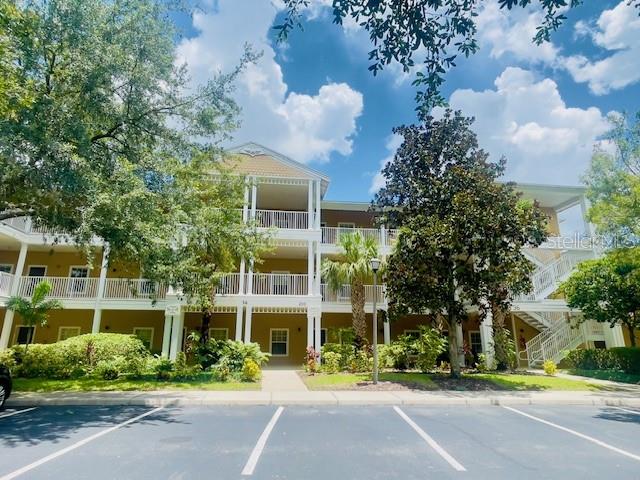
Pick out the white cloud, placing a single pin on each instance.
(528, 122)
(306, 127)
(618, 31)
(512, 31)
(393, 143)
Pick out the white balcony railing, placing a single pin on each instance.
(343, 294)
(6, 279)
(133, 288)
(331, 235)
(282, 219)
(61, 287)
(279, 284)
(230, 284)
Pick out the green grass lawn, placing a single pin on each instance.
(422, 381)
(519, 382)
(608, 375)
(123, 384)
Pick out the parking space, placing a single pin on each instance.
(365, 442)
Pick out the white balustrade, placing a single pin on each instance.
(229, 284)
(279, 284)
(6, 279)
(331, 235)
(343, 295)
(61, 287)
(133, 288)
(282, 219)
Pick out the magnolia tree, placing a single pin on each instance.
(607, 289)
(461, 231)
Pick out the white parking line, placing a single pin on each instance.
(577, 434)
(626, 410)
(5, 415)
(82, 442)
(262, 441)
(431, 442)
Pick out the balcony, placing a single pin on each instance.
(61, 287)
(133, 289)
(343, 295)
(6, 279)
(264, 284)
(282, 219)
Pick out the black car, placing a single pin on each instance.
(5, 384)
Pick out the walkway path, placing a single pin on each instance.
(282, 381)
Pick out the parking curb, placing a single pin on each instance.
(319, 398)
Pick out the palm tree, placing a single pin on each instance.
(354, 269)
(35, 311)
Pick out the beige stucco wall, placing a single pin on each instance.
(57, 319)
(124, 321)
(291, 265)
(261, 323)
(333, 217)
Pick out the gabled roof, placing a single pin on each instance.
(291, 167)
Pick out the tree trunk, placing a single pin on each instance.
(632, 334)
(204, 326)
(454, 357)
(357, 310)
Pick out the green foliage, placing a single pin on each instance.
(311, 360)
(428, 346)
(345, 350)
(35, 311)
(504, 348)
(353, 268)
(208, 353)
(613, 180)
(235, 353)
(549, 367)
(331, 362)
(462, 230)
(629, 358)
(8, 358)
(433, 32)
(361, 362)
(626, 359)
(481, 365)
(250, 371)
(607, 289)
(110, 369)
(163, 368)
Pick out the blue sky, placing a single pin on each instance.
(314, 99)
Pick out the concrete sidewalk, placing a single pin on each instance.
(404, 397)
(282, 381)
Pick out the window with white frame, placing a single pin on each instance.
(219, 333)
(412, 333)
(346, 225)
(475, 342)
(279, 342)
(145, 334)
(68, 332)
(78, 279)
(24, 334)
(6, 267)
(37, 270)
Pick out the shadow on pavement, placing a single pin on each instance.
(53, 424)
(617, 415)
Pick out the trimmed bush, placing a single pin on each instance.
(428, 346)
(594, 359)
(549, 367)
(331, 362)
(250, 370)
(628, 358)
(346, 352)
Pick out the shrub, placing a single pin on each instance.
(311, 360)
(362, 362)
(331, 362)
(401, 353)
(8, 358)
(428, 346)
(250, 371)
(163, 368)
(346, 352)
(221, 371)
(505, 349)
(481, 365)
(593, 359)
(183, 371)
(110, 369)
(549, 367)
(235, 353)
(209, 353)
(628, 358)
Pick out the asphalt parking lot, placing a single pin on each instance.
(303, 442)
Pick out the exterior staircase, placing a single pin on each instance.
(557, 334)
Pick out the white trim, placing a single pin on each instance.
(471, 343)
(10, 265)
(83, 267)
(226, 332)
(346, 225)
(271, 330)
(29, 267)
(146, 328)
(78, 329)
(15, 333)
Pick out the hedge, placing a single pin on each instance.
(626, 359)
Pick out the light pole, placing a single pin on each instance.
(375, 265)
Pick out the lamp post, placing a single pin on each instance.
(375, 266)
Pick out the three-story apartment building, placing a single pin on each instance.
(282, 303)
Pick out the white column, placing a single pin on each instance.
(318, 329)
(102, 282)
(460, 337)
(166, 335)
(387, 330)
(310, 264)
(8, 314)
(176, 335)
(310, 326)
(245, 204)
(486, 337)
(241, 279)
(383, 237)
(318, 203)
(318, 258)
(254, 198)
(613, 336)
(310, 205)
(585, 205)
(250, 279)
(247, 325)
(239, 314)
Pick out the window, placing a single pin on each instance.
(412, 333)
(24, 334)
(219, 333)
(6, 267)
(145, 334)
(346, 225)
(280, 342)
(37, 270)
(323, 336)
(77, 279)
(475, 342)
(68, 332)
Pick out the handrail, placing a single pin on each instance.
(61, 287)
(6, 280)
(133, 288)
(282, 219)
(343, 294)
(279, 284)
